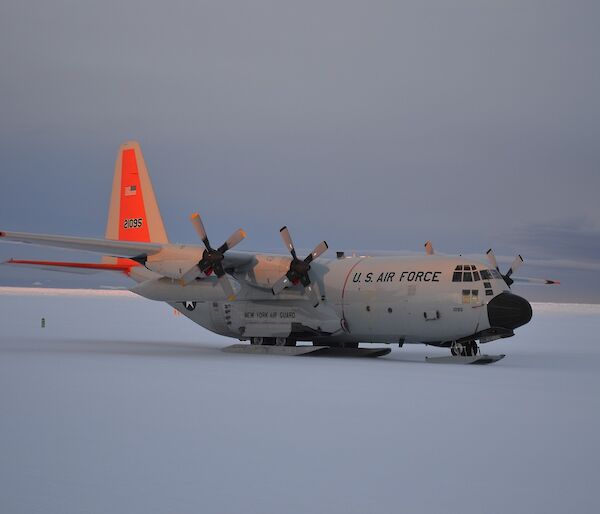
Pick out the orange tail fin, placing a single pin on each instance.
(133, 214)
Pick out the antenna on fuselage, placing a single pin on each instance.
(429, 248)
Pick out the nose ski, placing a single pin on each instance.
(459, 359)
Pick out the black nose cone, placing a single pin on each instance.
(507, 310)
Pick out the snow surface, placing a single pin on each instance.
(119, 406)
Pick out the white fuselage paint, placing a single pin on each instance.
(367, 299)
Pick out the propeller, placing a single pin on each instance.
(298, 270)
(516, 264)
(212, 259)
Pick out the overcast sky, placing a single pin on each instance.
(373, 125)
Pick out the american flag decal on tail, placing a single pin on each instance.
(130, 190)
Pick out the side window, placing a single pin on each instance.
(476, 276)
(485, 275)
(466, 295)
(457, 276)
(474, 296)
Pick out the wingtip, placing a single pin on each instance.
(2, 234)
(283, 228)
(194, 215)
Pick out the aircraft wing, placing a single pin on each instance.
(110, 247)
(126, 249)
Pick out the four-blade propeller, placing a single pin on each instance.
(298, 270)
(513, 267)
(212, 262)
(212, 259)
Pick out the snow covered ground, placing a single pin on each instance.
(119, 406)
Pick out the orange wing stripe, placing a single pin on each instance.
(86, 265)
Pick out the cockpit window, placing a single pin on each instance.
(488, 274)
(470, 274)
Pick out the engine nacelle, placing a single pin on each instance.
(173, 261)
(267, 270)
(168, 290)
(170, 269)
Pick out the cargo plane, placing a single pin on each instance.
(278, 300)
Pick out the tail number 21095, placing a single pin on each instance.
(133, 223)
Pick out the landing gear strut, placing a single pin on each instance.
(466, 349)
(273, 341)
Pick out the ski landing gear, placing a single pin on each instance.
(287, 346)
(466, 349)
(466, 352)
(273, 341)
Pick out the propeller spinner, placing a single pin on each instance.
(298, 270)
(513, 267)
(212, 259)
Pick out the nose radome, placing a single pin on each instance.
(508, 310)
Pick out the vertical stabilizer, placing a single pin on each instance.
(133, 214)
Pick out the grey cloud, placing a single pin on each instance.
(567, 239)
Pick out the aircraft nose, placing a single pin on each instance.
(508, 310)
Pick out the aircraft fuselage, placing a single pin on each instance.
(363, 299)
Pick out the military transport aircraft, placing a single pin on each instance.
(278, 300)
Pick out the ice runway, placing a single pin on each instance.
(119, 406)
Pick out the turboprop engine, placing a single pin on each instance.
(168, 290)
(170, 268)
